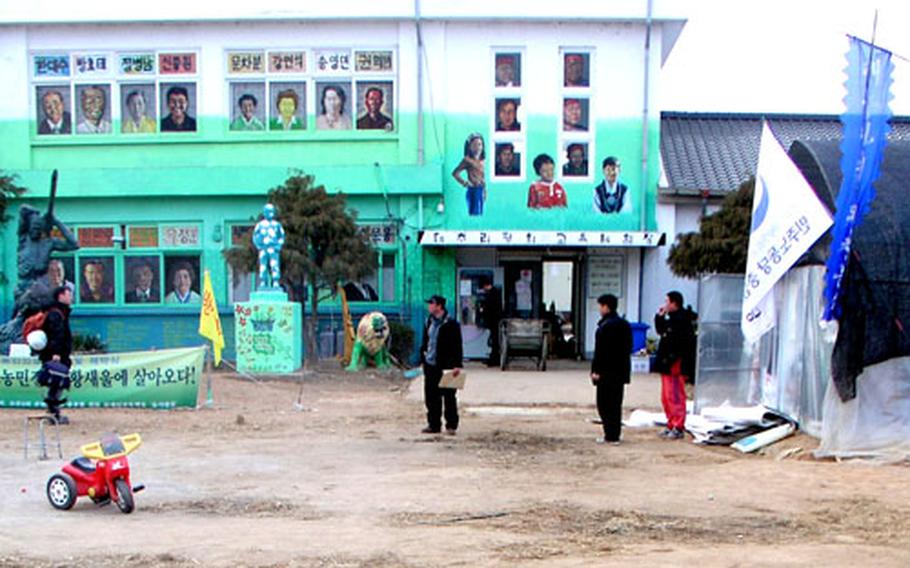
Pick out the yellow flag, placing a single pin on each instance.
(209, 322)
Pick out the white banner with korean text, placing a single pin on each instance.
(520, 238)
(787, 219)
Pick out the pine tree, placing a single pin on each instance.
(722, 242)
(322, 246)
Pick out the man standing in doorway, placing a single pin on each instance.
(612, 366)
(491, 310)
(675, 360)
(440, 350)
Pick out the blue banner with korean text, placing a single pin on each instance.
(866, 128)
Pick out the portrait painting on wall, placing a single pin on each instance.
(333, 106)
(53, 106)
(96, 280)
(576, 69)
(611, 195)
(508, 160)
(61, 271)
(575, 159)
(374, 105)
(287, 106)
(507, 71)
(182, 283)
(93, 109)
(575, 114)
(507, 114)
(142, 280)
(178, 107)
(138, 112)
(247, 107)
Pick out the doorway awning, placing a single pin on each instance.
(517, 238)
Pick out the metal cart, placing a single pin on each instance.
(524, 338)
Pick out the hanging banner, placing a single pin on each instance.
(142, 379)
(787, 219)
(865, 134)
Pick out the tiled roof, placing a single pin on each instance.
(716, 152)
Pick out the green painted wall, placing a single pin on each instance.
(506, 206)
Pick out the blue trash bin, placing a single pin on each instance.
(639, 336)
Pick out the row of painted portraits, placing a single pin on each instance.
(609, 196)
(177, 107)
(97, 285)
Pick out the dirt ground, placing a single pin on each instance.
(350, 482)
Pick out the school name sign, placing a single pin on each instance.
(142, 379)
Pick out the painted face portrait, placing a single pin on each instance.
(136, 106)
(507, 116)
(546, 171)
(142, 277)
(182, 281)
(56, 274)
(93, 103)
(248, 107)
(572, 118)
(52, 103)
(332, 102)
(94, 277)
(177, 104)
(505, 73)
(476, 147)
(575, 70)
(373, 101)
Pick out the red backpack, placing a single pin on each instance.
(35, 322)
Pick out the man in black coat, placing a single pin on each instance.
(56, 355)
(440, 350)
(612, 366)
(491, 310)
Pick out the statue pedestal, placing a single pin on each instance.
(268, 333)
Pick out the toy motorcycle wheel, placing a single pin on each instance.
(124, 496)
(61, 491)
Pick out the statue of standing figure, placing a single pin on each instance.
(36, 244)
(268, 238)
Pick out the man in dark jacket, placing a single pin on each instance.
(440, 350)
(56, 355)
(491, 310)
(611, 367)
(675, 360)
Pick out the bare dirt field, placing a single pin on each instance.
(350, 482)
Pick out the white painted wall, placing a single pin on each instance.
(115, 11)
(672, 219)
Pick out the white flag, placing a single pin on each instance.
(787, 219)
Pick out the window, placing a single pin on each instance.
(114, 93)
(240, 284)
(508, 131)
(575, 151)
(132, 265)
(381, 285)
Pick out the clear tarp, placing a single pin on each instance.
(877, 422)
(786, 371)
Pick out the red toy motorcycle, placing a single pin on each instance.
(103, 474)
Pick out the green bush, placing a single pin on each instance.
(88, 344)
(402, 344)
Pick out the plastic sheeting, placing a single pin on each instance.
(787, 371)
(875, 424)
(726, 365)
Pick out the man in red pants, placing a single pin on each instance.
(675, 360)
